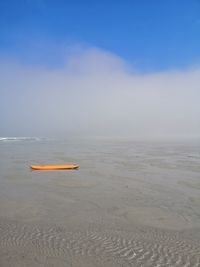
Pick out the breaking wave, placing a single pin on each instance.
(20, 139)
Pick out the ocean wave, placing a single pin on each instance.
(21, 139)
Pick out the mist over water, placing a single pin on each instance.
(97, 93)
(132, 202)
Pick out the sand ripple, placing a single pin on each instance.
(152, 248)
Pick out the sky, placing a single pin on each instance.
(100, 68)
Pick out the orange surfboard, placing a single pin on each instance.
(55, 167)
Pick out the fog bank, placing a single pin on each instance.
(98, 94)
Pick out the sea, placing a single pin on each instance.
(131, 203)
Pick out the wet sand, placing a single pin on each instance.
(130, 204)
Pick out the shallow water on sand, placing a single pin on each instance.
(129, 204)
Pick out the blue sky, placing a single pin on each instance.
(151, 35)
(100, 68)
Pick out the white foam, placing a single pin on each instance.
(17, 139)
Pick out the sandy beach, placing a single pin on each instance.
(129, 204)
